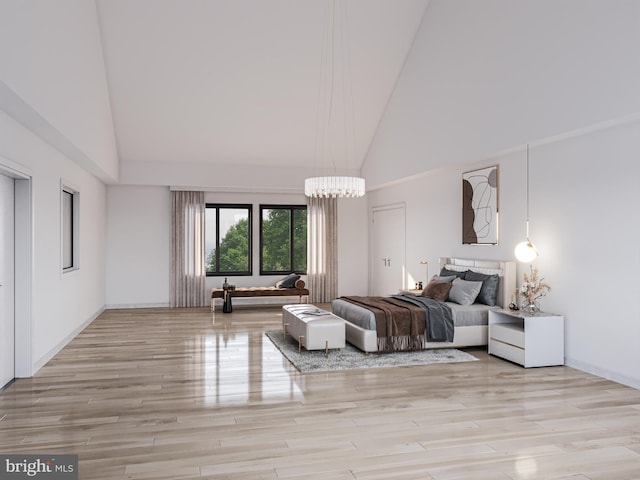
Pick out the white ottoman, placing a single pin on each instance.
(313, 328)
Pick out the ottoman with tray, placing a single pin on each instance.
(312, 327)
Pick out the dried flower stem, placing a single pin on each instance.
(533, 287)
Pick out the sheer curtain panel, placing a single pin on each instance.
(187, 249)
(322, 248)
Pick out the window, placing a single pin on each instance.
(69, 226)
(227, 239)
(283, 239)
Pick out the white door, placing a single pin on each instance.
(387, 250)
(7, 301)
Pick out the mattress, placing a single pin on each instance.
(463, 315)
(470, 315)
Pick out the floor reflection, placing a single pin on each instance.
(239, 365)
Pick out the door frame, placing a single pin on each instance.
(392, 206)
(23, 265)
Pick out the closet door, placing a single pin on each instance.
(7, 302)
(387, 262)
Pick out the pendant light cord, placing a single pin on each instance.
(527, 192)
(527, 182)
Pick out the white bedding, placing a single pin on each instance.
(470, 315)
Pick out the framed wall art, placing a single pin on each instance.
(480, 206)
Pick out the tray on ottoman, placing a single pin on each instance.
(313, 328)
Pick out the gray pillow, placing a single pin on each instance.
(464, 292)
(288, 282)
(447, 273)
(489, 291)
(440, 278)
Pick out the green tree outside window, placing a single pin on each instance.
(283, 239)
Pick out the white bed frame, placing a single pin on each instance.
(471, 336)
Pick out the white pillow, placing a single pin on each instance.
(464, 292)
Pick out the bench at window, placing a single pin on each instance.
(298, 291)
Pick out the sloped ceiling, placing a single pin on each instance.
(238, 81)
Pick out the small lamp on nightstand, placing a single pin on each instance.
(426, 264)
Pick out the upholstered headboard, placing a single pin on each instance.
(505, 270)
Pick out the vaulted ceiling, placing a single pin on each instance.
(239, 81)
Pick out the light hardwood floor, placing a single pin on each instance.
(170, 394)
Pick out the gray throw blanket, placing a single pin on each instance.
(439, 326)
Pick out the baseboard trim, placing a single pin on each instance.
(601, 372)
(54, 351)
(118, 306)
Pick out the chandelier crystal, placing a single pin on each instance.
(334, 186)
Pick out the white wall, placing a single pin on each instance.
(484, 76)
(138, 229)
(53, 80)
(353, 251)
(584, 221)
(587, 225)
(433, 206)
(482, 80)
(138, 237)
(62, 304)
(55, 123)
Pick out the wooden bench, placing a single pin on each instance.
(298, 291)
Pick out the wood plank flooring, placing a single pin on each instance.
(179, 393)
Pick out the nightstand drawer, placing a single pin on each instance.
(511, 333)
(506, 351)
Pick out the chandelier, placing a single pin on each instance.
(330, 138)
(335, 186)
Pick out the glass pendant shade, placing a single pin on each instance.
(526, 252)
(334, 186)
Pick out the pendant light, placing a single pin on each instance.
(526, 251)
(334, 185)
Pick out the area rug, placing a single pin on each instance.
(350, 358)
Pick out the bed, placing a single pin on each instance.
(469, 321)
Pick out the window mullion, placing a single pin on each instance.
(217, 240)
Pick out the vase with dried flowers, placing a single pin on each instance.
(532, 289)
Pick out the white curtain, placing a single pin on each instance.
(322, 249)
(187, 250)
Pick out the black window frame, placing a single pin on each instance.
(217, 207)
(68, 263)
(69, 228)
(291, 208)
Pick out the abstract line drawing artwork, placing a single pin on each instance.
(480, 206)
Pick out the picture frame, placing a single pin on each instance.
(480, 206)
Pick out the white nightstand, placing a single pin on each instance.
(412, 291)
(529, 339)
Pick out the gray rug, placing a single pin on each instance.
(350, 357)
